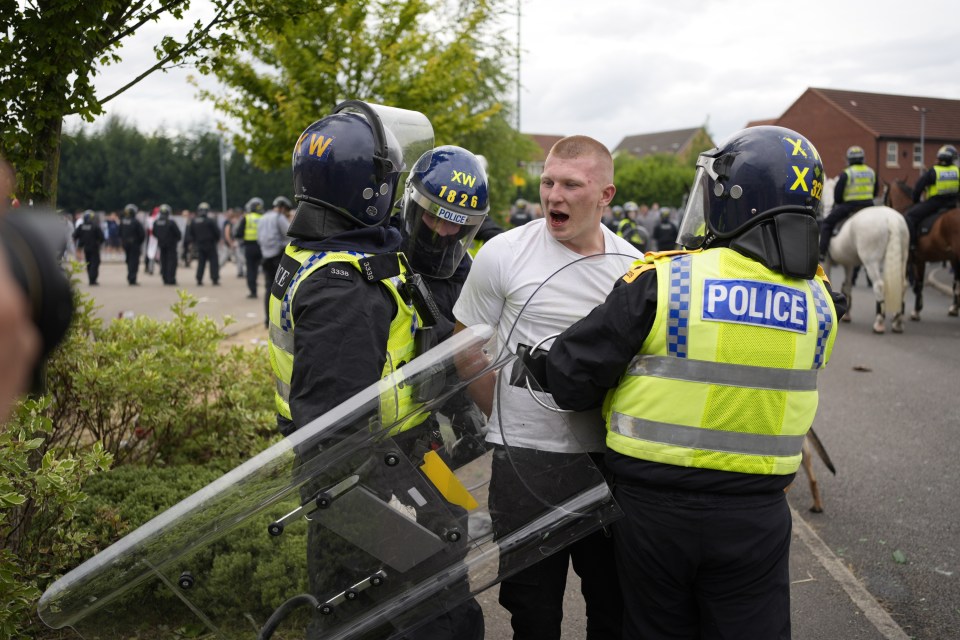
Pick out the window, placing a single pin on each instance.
(917, 155)
(892, 154)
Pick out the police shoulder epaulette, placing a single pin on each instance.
(636, 270)
(380, 267)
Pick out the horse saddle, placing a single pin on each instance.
(927, 223)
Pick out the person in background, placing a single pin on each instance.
(707, 406)
(855, 189)
(168, 235)
(631, 230)
(89, 238)
(521, 213)
(941, 184)
(234, 248)
(272, 237)
(525, 268)
(202, 236)
(246, 233)
(132, 237)
(665, 233)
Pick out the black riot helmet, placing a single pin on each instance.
(203, 208)
(444, 203)
(947, 155)
(130, 210)
(165, 210)
(349, 163)
(759, 174)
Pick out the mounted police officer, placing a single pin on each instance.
(941, 183)
(706, 362)
(855, 189)
(132, 236)
(168, 235)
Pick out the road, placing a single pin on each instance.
(890, 419)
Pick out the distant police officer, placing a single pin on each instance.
(89, 237)
(708, 361)
(168, 234)
(941, 183)
(521, 213)
(855, 189)
(246, 232)
(132, 236)
(203, 234)
(665, 233)
(631, 230)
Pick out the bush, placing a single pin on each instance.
(132, 392)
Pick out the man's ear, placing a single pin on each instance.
(606, 196)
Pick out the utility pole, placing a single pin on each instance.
(519, 3)
(223, 179)
(923, 122)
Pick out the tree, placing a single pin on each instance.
(662, 178)
(51, 50)
(445, 59)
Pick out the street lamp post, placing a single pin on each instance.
(223, 179)
(923, 121)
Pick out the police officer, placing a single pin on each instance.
(665, 233)
(710, 360)
(941, 183)
(203, 234)
(521, 213)
(89, 237)
(168, 235)
(132, 236)
(855, 189)
(246, 231)
(630, 229)
(339, 320)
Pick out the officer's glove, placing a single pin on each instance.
(470, 430)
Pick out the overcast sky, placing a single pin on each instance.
(612, 68)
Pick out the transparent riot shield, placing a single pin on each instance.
(366, 523)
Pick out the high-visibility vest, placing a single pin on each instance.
(252, 221)
(861, 181)
(727, 377)
(395, 403)
(948, 181)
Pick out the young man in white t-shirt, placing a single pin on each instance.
(532, 282)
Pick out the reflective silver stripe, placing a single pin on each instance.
(283, 390)
(731, 375)
(752, 444)
(281, 339)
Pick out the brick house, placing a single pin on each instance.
(681, 142)
(888, 127)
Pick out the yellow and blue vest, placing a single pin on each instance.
(861, 181)
(727, 377)
(252, 221)
(395, 403)
(948, 181)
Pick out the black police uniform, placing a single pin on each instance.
(736, 499)
(168, 234)
(203, 233)
(132, 235)
(89, 237)
(931, 205)
(665, 235)
(841, 210)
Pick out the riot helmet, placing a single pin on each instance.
(282, 201)
(203, 208)
(617, 212)
(759, 175)
(254, 205)
(947, 154)
(630, 207)
(855, 155)
(89, 216)
(444, 203)
(165, 210)
(130, 210)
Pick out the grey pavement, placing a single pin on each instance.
(827, 600)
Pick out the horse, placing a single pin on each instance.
(942, 243)
(877, 238)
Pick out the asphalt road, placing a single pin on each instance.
(890, 419)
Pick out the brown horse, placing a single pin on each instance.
(942, 243)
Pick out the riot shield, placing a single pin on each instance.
(366, 523)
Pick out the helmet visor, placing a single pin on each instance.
(439, 235)
(693, 225)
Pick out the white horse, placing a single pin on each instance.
(877, 238)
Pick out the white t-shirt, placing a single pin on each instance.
(526, 270)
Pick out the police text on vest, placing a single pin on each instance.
(758, 303)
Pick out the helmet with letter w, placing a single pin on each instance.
(760, 191)
(444, 203)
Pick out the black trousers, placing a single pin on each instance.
(168, 264)
(251, 252)
(207, 254)
(534, 596)
(133, 263)
(270, 266)
(92, 257)
(697, 566)
(921, 210)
